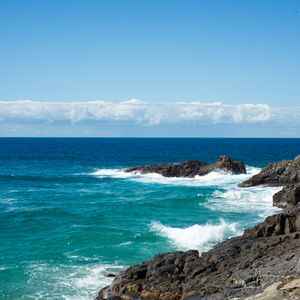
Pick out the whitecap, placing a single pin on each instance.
(200, 237)
(125, 243)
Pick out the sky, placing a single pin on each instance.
(191, 68)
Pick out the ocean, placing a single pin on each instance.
(69, 216)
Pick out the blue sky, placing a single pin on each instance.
(168, 54)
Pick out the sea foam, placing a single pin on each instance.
(216, 178)
(234, 199)
(200, 237)
(71, 282)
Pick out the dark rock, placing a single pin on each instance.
(238, 267)
(192, 168)
(285, 172)
(279, 224)
(289, 196)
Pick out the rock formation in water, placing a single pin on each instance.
(192, 168)
(276, 174)
(263, 263)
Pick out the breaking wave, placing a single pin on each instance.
(217, 178)
(200, 237)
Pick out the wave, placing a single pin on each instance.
(201, 237)
(40, 178)
(216, 178)
(253, 199)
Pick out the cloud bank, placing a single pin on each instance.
(134, 111)
(147, 119)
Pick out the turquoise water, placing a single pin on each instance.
(69, 215)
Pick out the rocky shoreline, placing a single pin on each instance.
(263, 263)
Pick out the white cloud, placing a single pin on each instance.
(135, 111)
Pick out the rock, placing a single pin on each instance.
(289, 196)
(287, 289)
(192, 168)
(283, 223)
(237, 268)
(285, 172)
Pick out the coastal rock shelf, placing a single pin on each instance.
(264, 261)
(192, 168)
(277, 174)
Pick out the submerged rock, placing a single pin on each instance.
(192, 168)
(285, 172)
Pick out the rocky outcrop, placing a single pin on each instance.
(285, 172)
(289, 196)
(238, 267)
(192, 168)
(279, 224)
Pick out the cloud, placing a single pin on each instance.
(134, 111)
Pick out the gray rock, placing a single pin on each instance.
(289, 196)
(285, 172)
(192, 168)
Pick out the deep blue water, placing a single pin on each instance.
(69, 216)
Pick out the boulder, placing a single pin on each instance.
(289, 196)
(192, 168)
(285, 172)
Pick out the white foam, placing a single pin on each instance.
(235, 199)
(216, 178)
(200, 237)
(71, 282)
(8, 201)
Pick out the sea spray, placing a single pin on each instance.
(200, 237)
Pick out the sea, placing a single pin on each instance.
(70, 217)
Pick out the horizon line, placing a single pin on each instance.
(142, 137)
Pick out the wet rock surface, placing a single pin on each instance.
(192, 168)
(285, 172)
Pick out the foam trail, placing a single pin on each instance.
(200, 237)
(255, 199)
(71, 281)
(219, 178)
